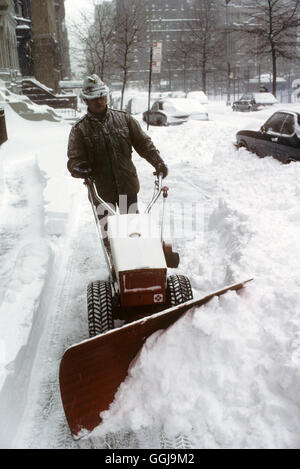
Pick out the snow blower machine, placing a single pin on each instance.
(138, 292)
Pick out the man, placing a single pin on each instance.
(100, 145)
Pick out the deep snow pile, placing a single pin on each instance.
(226, 375)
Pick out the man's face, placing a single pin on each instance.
(97, 105)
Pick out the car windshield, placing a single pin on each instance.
(288, 127)
(157, 106)
(274, 124)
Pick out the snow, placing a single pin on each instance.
(39, 84)
(138, 104)
(182, 105)
(199, 96)
(264, 98)
(266, 78)
(135, 242)
(23, 27)
(226, 375)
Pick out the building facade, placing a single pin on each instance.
(9, 61)
(168, 22)
(24, 36)
(62, 40)
(33, 42)
(236, 58)
(45, 44)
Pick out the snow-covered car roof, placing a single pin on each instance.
(199, 95)
(182, 105)
(265, 98)
(137, 104)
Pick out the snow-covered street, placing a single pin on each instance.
(224, 376)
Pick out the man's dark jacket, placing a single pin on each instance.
(106, 144)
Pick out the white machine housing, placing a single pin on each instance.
(138, 258)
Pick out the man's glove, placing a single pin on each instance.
(81, 170)
(161, 168)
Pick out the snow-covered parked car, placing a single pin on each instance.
(254, 102)
(279, 137)
(137, 104)
(198, 96)
(172, 111)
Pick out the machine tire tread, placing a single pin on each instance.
(179, 290)
(100, 307)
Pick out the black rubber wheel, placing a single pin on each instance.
(172, 259)
(289, 160)
(179, 290)
(100, 308)
(243, 144)
(161, 120)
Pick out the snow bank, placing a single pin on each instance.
(223, 386)
(25, 108)
(35, 202)
(227, 375)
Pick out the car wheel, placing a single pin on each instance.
(289, 160)
(243, 144)
(161, 120)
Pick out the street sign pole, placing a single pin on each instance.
(228, 52)
(155, 67)
(150, 85)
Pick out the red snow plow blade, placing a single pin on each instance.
(91, 372)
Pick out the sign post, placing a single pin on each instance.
(150, 84)
(155, 67)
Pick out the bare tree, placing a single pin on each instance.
(130, 35)
(183, 57)
(93, 35)
(275, 25)
(206, 42)
(100, 43)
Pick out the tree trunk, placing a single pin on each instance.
(123, 89)
(125, 77)
(184, 79)
(274, 69)
(204, 78)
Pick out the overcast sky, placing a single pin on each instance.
(73, 8)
